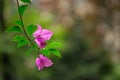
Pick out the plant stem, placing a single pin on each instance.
(21, 19)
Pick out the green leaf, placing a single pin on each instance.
(31, 29)
(55, 52)
(21, 40)
(22, 9)
(19, 23)
(14, 29)
(22, 43)
(46, 52)
(26, 1)
(30, 50)
(54, 45)
(18, 38)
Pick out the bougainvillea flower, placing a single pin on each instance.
(40, 42)
(42, 35)
(42, 62)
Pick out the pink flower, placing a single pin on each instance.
(42, 35)
(40, 42)
(43, 61)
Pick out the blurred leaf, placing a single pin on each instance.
(18, 38)
(21, 40)
(26, 1)
(55, 52)
(14, 29)
(18, 23)
(22, 9)
(54, 45)
(46, 52)
(30, 50)
(31, 29)
(22, 43)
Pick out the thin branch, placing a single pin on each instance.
(21, 19)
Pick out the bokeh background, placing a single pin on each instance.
(88, 29)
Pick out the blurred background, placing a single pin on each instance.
(88, 29)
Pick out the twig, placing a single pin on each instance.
(21, 19)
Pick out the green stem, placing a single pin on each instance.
(21, 19)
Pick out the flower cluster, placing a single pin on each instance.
(41, 36)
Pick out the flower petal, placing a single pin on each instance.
(38, 32)
(40, 42)
(46, 61)
(39, 64)
(46, 34)
(42, 45)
